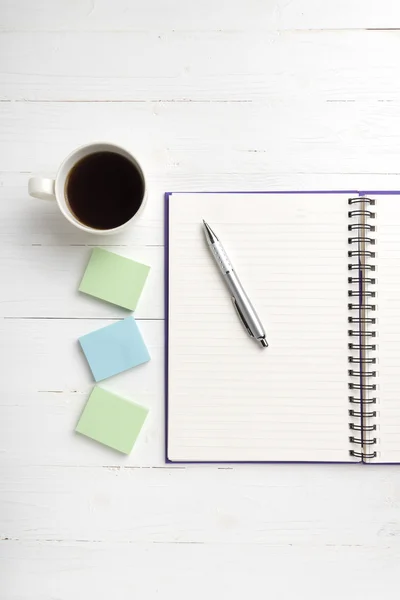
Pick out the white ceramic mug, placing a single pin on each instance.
(54, 189)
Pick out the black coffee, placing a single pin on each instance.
(104, 190)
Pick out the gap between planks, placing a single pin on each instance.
(150, 101)
(78, 318)
(166, 32)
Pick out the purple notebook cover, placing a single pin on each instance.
(166, 309)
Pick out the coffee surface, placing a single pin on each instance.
(104, 190)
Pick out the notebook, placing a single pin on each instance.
(323, 272)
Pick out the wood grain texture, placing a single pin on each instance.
(222, 66)
(65, 569)
(279, 136)
(175, 505)
(42, 408)
(245, 94)
(263, 15)
(60, 272)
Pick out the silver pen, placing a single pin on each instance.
(240, 300)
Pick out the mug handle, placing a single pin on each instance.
(42, 188)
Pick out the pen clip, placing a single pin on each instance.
(241, 317)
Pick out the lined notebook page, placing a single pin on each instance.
(229, 399)
(388, 328)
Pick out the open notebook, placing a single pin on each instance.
(323, 272)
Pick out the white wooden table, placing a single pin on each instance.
(212, 94)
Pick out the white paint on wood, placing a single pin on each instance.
(59, 273)
(245, 94)
(67, 569)
(278, 135)
(39, 411)
(209, 15)
(334, 66)
(244, 505)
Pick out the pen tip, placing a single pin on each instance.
(210, 235)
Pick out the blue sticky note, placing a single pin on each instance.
(114, 348)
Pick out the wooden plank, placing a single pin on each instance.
(182, 138)
(125, 15)
(52, 277)
(26, 222)
(44, 254)
(45, 422)
(210, 95)
(213, 67)
(41, 408)
(64, 570)
(45, 342)
(268, 505)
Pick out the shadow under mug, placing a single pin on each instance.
(54, 189)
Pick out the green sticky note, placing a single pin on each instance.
(112, 420)
(114, 278)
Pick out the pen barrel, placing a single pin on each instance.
(221, 257)
(244, 306)
(241, 301)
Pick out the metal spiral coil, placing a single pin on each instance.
(362, 455)
(361, 377)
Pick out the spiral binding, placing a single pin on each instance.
(361, 377)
